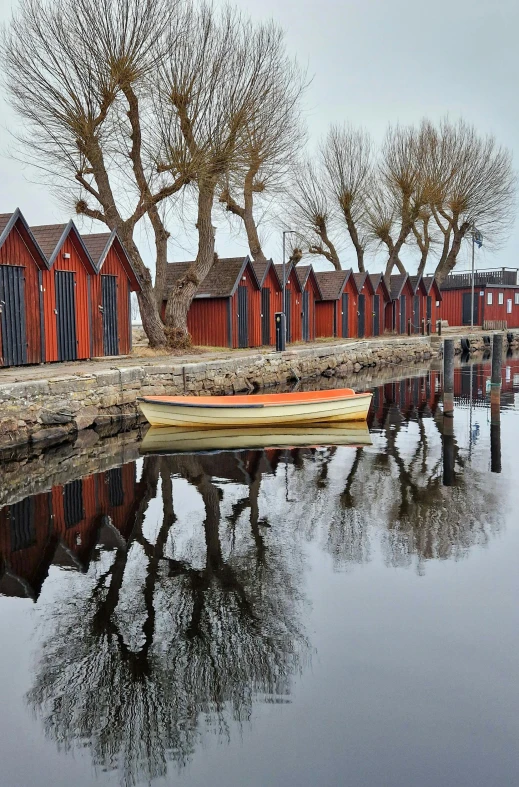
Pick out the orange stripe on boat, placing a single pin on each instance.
(300, 397)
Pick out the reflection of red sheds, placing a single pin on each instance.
(110, 294)
(294, 302)
(66, 292)
(75, 508)
(21, 267)
(381, 297)
(365, 312)
(310, 295)
(26, 546)
(271, 299)
(335, 313)
(225, 311)
(400, 309)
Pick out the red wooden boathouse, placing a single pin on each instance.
(225, 311)
(110, 294)
(271, 299)
(433, 301)
(21, 309)
(496, 298)
(310, 295)
(365, 314)
(66, 292)
(381, 297)
(293, 302)
(335, 313)
(400, 308)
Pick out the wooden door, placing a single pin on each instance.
(265, 315)
(13, 317)
(109, 308)
(66, 315)
(243, 316)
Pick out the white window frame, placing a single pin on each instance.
(517, 298)
(489, 299)
(509, 306)
(501, 298)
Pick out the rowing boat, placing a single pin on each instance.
(175, 440)
(302, 407)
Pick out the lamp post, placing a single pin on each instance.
(476, 238)
(283, 311)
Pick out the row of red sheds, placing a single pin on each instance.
(235, 305)
(63, 296)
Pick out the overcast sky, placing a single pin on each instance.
(372, 62)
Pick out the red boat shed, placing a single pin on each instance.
(271, 299)
(433, 302)
(381, 298)
(225, 311)
(110, 293)
(310, 295)
(496, 298)
(419, 303)
(365, 313)
(334, 313)
(21, 268)
(400, 309)
(293, 302)
(66, 292)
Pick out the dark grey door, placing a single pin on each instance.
(361, 315)
(403, 315)
(12, 306)
(114, 479)
(288, 313)
(466, 305)
(73, 503)
(66, 315)
(376, 315)
(22, 524)
(306, 316)
(429, 308)
(416, 313)
(345, 315)
(110, 324)
(243, 316)
(265, 315)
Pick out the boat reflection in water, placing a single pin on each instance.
(178, 597)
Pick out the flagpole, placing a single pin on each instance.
(472, 299)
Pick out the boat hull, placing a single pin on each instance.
(174, 440)
(175, 413)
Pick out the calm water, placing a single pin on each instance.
(288, 616)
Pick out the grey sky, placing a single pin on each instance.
(373, 62)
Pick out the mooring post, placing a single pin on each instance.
(495, 403)
(448, 377)
(439, 327)
(448, 451)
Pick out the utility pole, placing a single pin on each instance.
(283, 287)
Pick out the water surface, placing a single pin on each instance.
(286, 616)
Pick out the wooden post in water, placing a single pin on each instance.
(448, 377)
(495, 403)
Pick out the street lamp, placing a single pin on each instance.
(477, 237)
(283, 316)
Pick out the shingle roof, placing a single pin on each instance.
(96, 244)
(396, 284)
(4, 221)
(288, 269)
(360, 280)
(47, 237)
(302, 273)
(220, 282)
(429, 282)
(332, 283)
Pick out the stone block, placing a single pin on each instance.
(50, 435)
(85, 417)
(51, 418)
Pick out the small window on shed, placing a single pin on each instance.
(517, 298)
(489, 299)
(509, 306)
(501, 298)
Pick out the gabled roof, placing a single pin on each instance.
(288, 270)
(429, 283)
(303, 273)
(98, 246)
(377, 279)
(332, 283)
(363, 279)
(51, 237)
(261, 270)
(221, 281)
(8, 221)
(397, 284)
(416, 283)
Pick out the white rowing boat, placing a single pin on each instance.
(302, 407)
(161, 440)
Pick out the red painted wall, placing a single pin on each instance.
(207, 321)
(324, 322)
(15, 252)
(254, 311)
(272, 283)
(112, 266)
(296, 324)
(81, 277)
(311, 288)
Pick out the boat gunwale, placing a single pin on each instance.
(173, 401)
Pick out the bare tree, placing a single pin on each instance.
(77, 72)
(475, 187)
(347, 155)
(211, 93)
(270, 143)
(312, 213)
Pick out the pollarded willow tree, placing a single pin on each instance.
(126, 103)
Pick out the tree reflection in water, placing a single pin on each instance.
(175, 638)
(159, 650)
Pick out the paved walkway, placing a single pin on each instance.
(52, 370)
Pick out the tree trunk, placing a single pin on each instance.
(446, 265)
(161, 259)
(181, 295)
(253, 237)
(354, 235)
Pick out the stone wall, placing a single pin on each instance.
(50, 410)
